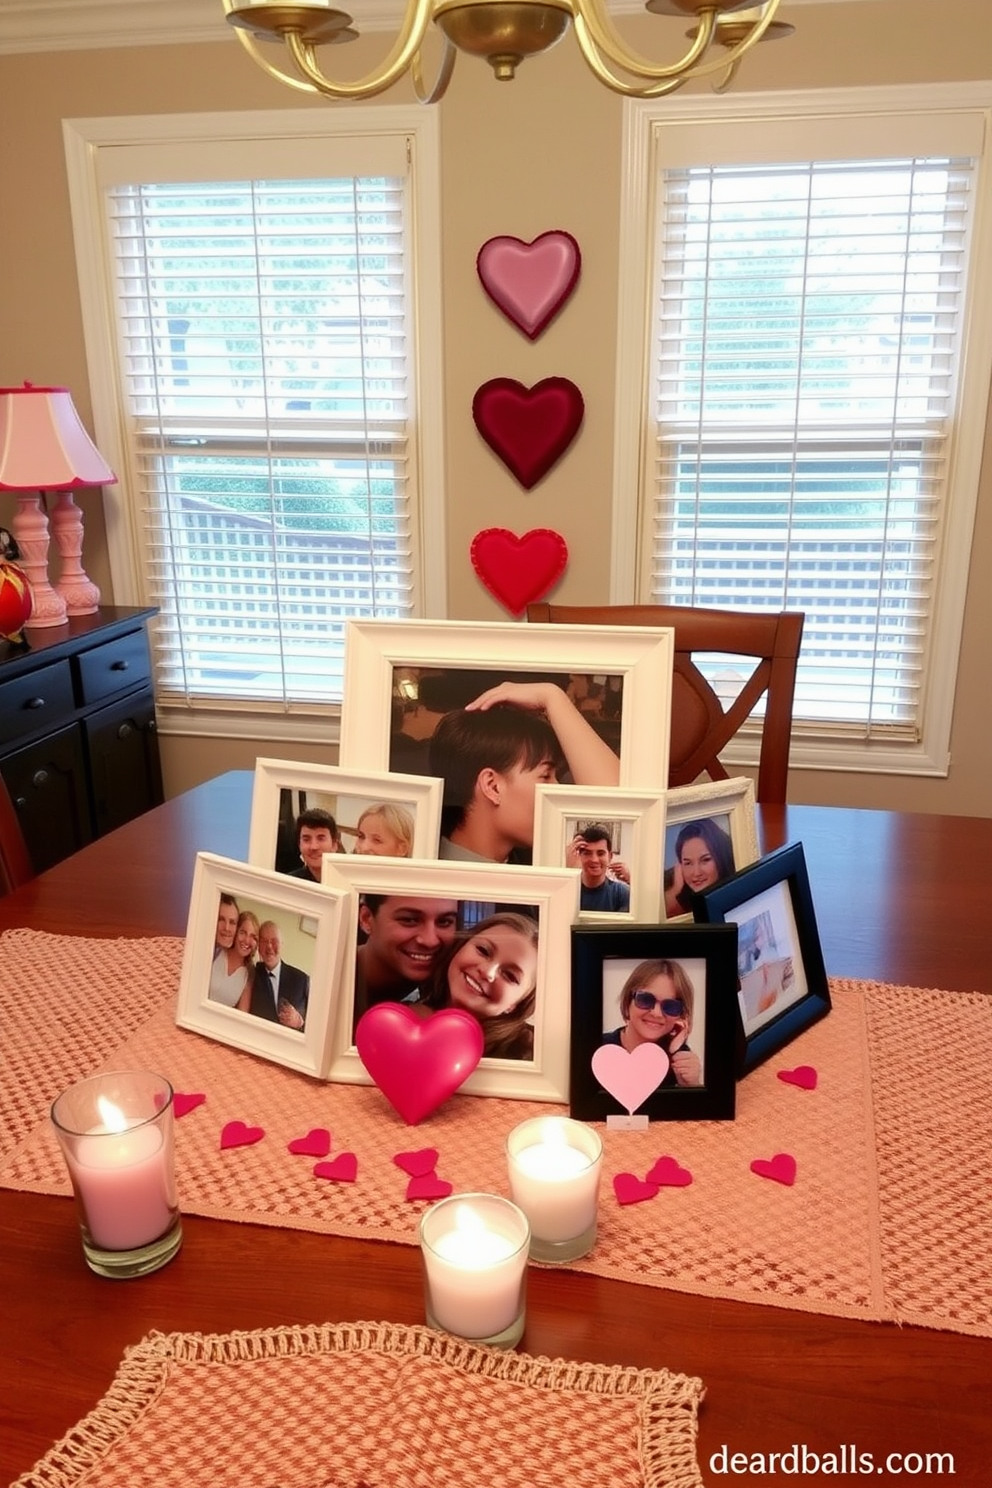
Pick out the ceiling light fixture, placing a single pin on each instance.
(505, 33)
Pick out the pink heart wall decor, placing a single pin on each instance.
(630, 1078)
(528, 428)
(517, 570)
(530, 282)
(417, 1062)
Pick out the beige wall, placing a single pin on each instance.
(521, 158)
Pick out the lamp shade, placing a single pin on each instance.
(43, 445)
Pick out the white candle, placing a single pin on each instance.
(475, 1256)
(554, 1166)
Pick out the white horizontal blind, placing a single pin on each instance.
(264, 350)
(806, 344)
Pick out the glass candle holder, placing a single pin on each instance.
(474, 1248)
(116, 1132)
(554, 1167)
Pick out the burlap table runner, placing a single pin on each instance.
(894, 1162)
(374, 1405)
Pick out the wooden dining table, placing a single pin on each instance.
(899, 898)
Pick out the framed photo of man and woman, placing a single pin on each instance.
(262, 962)
(492, 940)
(493, 711)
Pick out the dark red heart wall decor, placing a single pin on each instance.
(518, 570)
(528, 428)
(530, 282)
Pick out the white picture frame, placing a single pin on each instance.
(333, 787)
(729, 803)
(316, 922)
(554, 895)
(390, 665)
(638, 822)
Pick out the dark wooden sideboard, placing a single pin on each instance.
(78, 747)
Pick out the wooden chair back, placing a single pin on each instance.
(15, 860)
(701, 725)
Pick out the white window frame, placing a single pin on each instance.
(812, 747)
(83, 140)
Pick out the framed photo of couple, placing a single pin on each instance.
(494, 711)
(262, 962)
(489, 939)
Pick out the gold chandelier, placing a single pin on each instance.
(505, 32)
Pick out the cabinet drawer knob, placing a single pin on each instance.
(34, 703)
(119, 666)
(39, 778)
(125, 731)
(21, 803)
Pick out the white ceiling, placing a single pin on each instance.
(68, 25)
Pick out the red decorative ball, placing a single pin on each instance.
(15, 601)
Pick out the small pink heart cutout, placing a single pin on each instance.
(630, 1078)
(417, 1164)
(804, 1075)
(183, 1102)
(343, 1168)
(782, 1168)
(428, 1186)
(630, 1189)
(316, 1143)
(237, 1134)
(667, 1174)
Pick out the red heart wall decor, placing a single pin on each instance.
(517, 570)
(528, 428)
(530, 282)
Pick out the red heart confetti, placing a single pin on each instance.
(804, 1075)
(237, 1134)
(630, 1189)
(518, 570)
(529, 429)
(343, 1169)
(667, 1174)
(428, 1186)
(782, 1168)
(316, 1143)
(182, 1103)
(418, 1163)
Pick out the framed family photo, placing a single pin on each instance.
(782, 981)
(669, 986)
(614, 838)
(496, 710)
(711, 832)
(300, 811)
(262, 962)
(490, 939)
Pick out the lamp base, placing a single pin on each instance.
(80, 594)
(30, 528)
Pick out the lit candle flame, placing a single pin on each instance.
(112, 1116)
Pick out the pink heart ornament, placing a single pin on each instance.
(428, 1186)
(518, 570)
(668, 1174)
(237, 1134)
(529, 282)
(416, 1062)
(418, 1163)
(804, 1075)
(630, 1078)
(343, 1168)
(630, 1189)
(183, 1103)
(316, 1143)
(782, 1168)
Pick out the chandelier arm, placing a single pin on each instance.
(256, 53)
(728, 77)
(593, 21)
(400, 58)
(622, 85)
(442, 79)
(641, 67)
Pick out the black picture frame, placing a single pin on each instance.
(776, 889)
(603, 954)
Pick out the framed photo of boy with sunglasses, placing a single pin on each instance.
(672, 988)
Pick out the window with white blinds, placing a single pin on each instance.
(266, 397)
(809, 315)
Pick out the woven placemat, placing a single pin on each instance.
(374, 1405)
(892, 1162)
